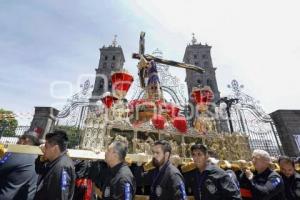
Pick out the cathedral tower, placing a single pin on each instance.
(199, 55)
(111, 59)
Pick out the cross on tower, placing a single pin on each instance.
(194, 40)
(144, 59)
(114, 42)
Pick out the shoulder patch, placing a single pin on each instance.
(5, 158)
(127, 191)
(183, 195)
(275, 182)
(64, 180)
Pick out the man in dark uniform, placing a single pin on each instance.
(291, 178)
(83, 183)
(208, 181)
(265, 183)
(98, 172)
(119, 184)
(57, 174)
(167, 181)
(17, 174)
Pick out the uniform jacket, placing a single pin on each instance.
(292, 187)
(57, 179)
(267, 185)
(119, 184)
(17, 177)
(212, 184)
(167, 184)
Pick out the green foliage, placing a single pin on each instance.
(8, 123)
(73, 135)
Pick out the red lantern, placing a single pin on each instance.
(158, 121)
(108, 100)
(207, 95)
(196, 95)
(172, 110)
(180, 124)
(202, 96)
(121, 82)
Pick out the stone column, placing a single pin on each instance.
(43, 120)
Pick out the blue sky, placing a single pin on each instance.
(255, 42)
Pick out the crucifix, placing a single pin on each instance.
(145, 62)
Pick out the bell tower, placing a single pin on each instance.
(111, 60)
(199, 55)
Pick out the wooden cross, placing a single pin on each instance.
(144, 59)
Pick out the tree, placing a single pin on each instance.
(73, 135)
(8, 123)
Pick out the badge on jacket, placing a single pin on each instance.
(211, 187)
(182, 191)
(107, 192)
(5, 158)
(275, 182)
(64, 180)
(158, 191)
(127, 192)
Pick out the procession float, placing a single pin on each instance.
(141, 121)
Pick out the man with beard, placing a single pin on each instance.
(208, 181)
(119, 183)
(291, 178)
(167, 181)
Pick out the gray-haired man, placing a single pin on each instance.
(120, 183)
(266, 184)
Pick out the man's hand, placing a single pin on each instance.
(249, 174)
(42, 158)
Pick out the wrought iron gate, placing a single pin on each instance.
(249, 118)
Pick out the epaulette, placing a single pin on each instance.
(224, 164)
(235, 167)
(297, 167)
(188, 167)
(128, 161)
(2, 150)
(148, 166)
